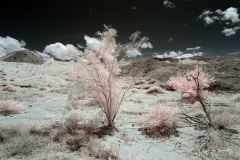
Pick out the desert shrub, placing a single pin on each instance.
(72, 121)
(76, 86)
(53, 157)
(97, 150)
(161, 121)
(226, 117)
(193, 87)
(152, 81)
(8, 107)
(155, 89)
(41, 131)
(43, 88)
(11, 88)
(83, 103)
(98, 74)
(134, 90)
(141, 81)
(75, 143)
(19, 142)
(235, 98)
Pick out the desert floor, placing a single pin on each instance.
(45, 100)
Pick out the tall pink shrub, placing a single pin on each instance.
(100, 77)
(193, 86)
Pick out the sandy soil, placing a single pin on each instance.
(45, 107)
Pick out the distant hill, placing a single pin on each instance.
(24, 56)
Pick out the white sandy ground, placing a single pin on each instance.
(43, 107)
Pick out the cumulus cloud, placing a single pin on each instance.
(229, 17)
(192, 53)
(230, 31)
(62, 52)
(169, 54)
(178, 54)
(205, 13)
(209, 20)
(218, 11)
(93, 43)
(194, 49)
(133, 52)
(9, 44)
(147, 45)
(43, 55)
(168, 4)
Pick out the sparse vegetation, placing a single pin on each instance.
(155, 89)
(11, 88)
(207, 123)
(8, 107)
(236, 98)
(161, 121)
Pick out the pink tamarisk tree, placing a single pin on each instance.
(100, 77)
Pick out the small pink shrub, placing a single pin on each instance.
(8, 107)
(11, 88)
(141, 81)
(194, 83)
(161, 120)
(235, 98)
(193, 87)
(43, 88)
(155, 89)
(134, 90)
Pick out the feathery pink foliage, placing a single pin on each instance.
(161, 119)
(101, 76)
(187, 84)
(155, 89)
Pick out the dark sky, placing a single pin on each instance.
(40, 23)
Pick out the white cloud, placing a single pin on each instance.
(170, 39)
(218, 11)
(93, 43)
(134, 8)
(208, 20)
(168, 4)
(62, 52)
(230, 31)
(194, 49)
(193, 52)
(43, 55)
(231, 15)
(147, 45)
(9, 44)
(205, 13)
(133, 52)
(235, 53)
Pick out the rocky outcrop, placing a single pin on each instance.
(23, 56)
